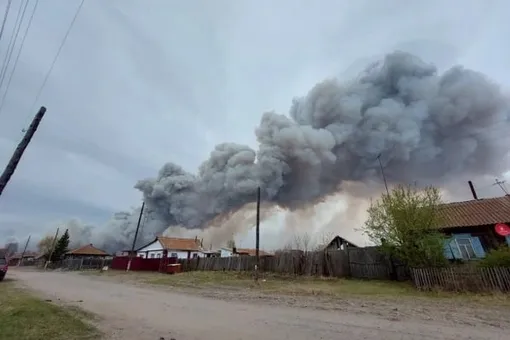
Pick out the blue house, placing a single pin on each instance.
(470, 226)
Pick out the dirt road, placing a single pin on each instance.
(139, 313)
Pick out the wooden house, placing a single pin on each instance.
(28, 259)
(470, 226)
(87, 251)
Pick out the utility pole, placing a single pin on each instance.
(52, 250)
(382, 173)
(257, 237)
(24, 250)
(136, 236)
(20, 149)
(501, 184)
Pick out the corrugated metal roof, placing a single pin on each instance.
(475, 212)
(188, 244)
(88, 249)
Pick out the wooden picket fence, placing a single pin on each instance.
(462, 278)
(365, 263)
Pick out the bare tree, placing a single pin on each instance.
(45, 244)
(323, 240)
(305, 240)
(302, 241)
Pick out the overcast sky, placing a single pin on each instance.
(140, 83)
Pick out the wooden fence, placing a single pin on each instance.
(79, 264)
(462, 278)
(366, 263)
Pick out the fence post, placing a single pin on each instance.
(81, 263)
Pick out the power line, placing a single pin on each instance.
(2, 101)
(12, 41)
(6, 14)
(58, 53)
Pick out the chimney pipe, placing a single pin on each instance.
(473, 191)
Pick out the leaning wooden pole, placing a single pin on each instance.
(24, 251)
(53, 244)
(128, 267)
(18, 153)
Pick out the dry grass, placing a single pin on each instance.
(303, 286)
(23, 316)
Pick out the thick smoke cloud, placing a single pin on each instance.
(426, 126)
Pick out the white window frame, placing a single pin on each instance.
(470, 243)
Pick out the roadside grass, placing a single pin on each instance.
(23, 316)
(299, 286)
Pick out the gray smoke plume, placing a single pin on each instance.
(425, 126)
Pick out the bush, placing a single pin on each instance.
(497, 258)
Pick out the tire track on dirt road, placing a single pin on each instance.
(141, 313)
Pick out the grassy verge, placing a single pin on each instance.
(298, 286)
(23, 316)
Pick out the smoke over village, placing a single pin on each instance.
(427, 127)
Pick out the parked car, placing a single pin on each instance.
(3, 267)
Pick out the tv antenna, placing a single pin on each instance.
(501, 184)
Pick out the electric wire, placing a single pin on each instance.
(2, 101)
(58, 54)
(6, 14)
(29, 114)
(14, 37)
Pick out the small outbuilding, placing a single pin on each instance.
(339, 243)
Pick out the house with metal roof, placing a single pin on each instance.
(87, 251)
(476, 226)
(182, 248)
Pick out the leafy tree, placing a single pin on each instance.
(45, 244)
(404, 222)
(61, 247)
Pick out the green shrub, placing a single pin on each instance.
(497, 258)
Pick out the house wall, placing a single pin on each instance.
(483, 239)
(225, 253)
(154, 246)
(181, 254)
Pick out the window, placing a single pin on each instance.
(152, 255)
(2, 261)
(195, 255)
(158, 255)
(173, 255)
(466, 248)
